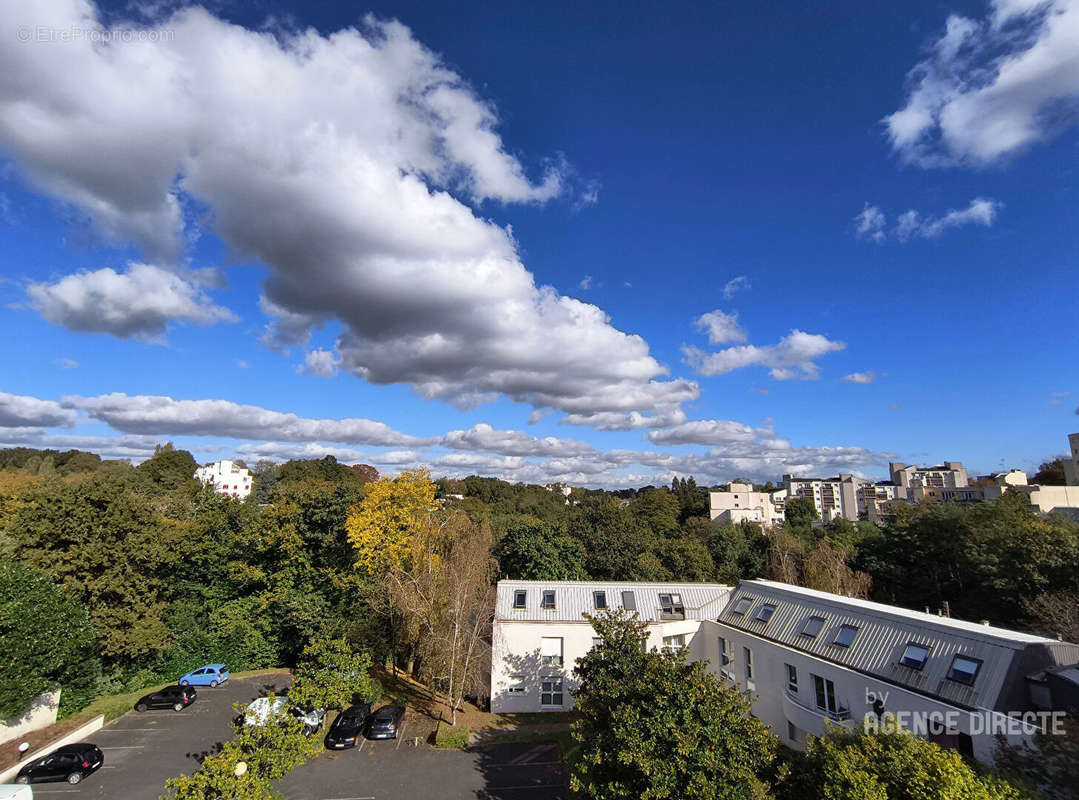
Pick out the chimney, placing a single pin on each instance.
(985, 622)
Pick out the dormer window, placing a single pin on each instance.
(914, 656)
(813, 627)
(548, 599)
(599, 600)
(845, 636)
(964, 670)
(519, 597)
(629, 601)
(765, 612)
(742, 606)
(671, 607)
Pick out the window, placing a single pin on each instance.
(551, 650)
(825, 691)
(792, 678)
(765, 612)
(964, 670)
(792, 732)
(914, 656)
(671, 606)
(845, 636)
(742, 606)
(551, 692)
(813, 627)
(677, 642)
(517, 686)
(724, 652)
(519, 598)
(629, 601)
(747, 655)
(599, 599)
(548, 598)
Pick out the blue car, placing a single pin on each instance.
(211, 675)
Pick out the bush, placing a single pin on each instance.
(451, 737)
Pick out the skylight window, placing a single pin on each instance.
(964, 670)
(519, 597)
(671, 606)
(845, 637)
(742, 606)
(599, 600)
(914, 656)
(548, 598)
(813, 627)
(765, 612)
(629, 601)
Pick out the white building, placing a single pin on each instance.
(808, 658)
(1071, 463)
(741, 504)
(226, 477)
(540, 632)
(949, 475)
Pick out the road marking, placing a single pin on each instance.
(123, 747)
(398, 737)
(124, 730)
(362, 743)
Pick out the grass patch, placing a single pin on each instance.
(453, 737)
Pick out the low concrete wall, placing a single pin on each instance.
(77, 735)
(41, 714)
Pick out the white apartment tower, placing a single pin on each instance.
(226, 477)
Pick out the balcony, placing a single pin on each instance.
(811, 719)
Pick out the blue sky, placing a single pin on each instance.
(883, 196)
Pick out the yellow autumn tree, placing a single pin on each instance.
(383, 526)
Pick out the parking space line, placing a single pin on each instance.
(362, 743)
(398, 737)
(123, 730)
(124, 747)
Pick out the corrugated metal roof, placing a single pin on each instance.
(574, 598)
(883, 634)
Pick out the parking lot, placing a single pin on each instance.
(142, 750)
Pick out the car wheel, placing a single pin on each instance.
(178, 707)
(140, 707)
(74, 778)
(24, 779)
(213, 684)
(185, 683)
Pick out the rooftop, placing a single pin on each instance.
(575, 598)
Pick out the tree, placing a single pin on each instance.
(888, 764)
(684, 559)
(331, 674)
(613, 540)
(652, 726)
(540, 552)
(45, 635)
(693, 500)
(366, 472)
(381, 527)
(169, 469)
(800, 513)
(825, 569)
(739, 552)
(1050, 473)
(1050, 762)
(658, 510)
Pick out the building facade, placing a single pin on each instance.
(808, 659)
(226, 477)
(1071, 462)
(740, 503)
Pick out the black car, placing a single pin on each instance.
(385, 722)
(70, 763)
(347, 727)
(175, 697)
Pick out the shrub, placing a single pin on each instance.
(452, 737)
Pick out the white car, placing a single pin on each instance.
(263, 709)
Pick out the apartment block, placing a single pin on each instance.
(1071, 462)
(226, 477)
(949, 475)
(740, 503)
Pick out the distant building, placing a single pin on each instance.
(949, 475)
(1071, 463)
(226, 477)
(741, 504)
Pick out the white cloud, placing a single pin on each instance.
(163, 416)
(23, 411)
(861, 377)
(710, 432)
(735, 285)
(993, 87)
(320, 363)
(1056, 398)
(869, 223)
(586, 282)
(66, 363)
(721, 327)
(243, 364)
(353, 149)
(791, 358)
(484, 437)
(137, 304)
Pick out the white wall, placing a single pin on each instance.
(41, 714)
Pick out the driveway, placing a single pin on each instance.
(142, 750)
(398, 770)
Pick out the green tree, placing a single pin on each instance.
(540, 552)
(652, 726)
(658, 510)
(331, 674)
(170, 469)
(886, 765)
(613, 539)
(1050, 473)
(45, 635)
(800, 513)
(739, 552)
(684, 559)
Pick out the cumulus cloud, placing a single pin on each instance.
(793, 357)
(710, 432)
(513, 443)
(135, 304)
(163, 416)
(320, 363)
(23, 411)
(721, 327)
(860, 377)
(66, 363)
(869, 223)
(991, 87)
(735, 285)
(356, 149)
